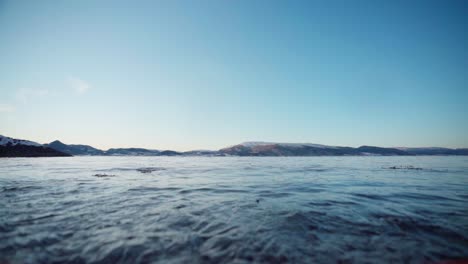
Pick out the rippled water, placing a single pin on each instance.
(226, 209)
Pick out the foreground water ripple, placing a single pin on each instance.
(233, 210)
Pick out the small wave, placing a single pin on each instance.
(212, 190)
(188, 191)
(35, 218)
(406, 167)
(141, 170)
(116, 169)
(369, 196)
(20, 188)
(412, 225)
(321, 203)
(103, 175)
(413, 168)
(308, 169)
(5, 228)
(149, 169)
(153, 189)
(420, 196)
(267, 194)
(328, 203)
(228, 190)
(304, 189)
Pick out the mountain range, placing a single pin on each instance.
(10, 147)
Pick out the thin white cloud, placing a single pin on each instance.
(78, 85)
(25, 95)
(6, 108)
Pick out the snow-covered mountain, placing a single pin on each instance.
(11, 147)
(259, 148)
(436, 151)
(292, 145)
(8, 141)
(305, 149)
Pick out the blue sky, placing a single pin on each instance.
(208, 74)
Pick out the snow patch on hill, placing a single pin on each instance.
(8, 141)
(292, 145)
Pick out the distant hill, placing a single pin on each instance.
(201, 153)
(436, 151)
(10, 148)
(382, 151)
(75, 150)
(131, 152)
(306, 149)
(170, 153)
(85, 150)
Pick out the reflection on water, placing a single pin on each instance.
(226, 209)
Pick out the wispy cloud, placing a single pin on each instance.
(25, 95)
(6, 108)
(78, 85)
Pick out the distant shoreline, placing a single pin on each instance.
(10, 147)
(226, 156)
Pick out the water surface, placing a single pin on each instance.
(229, 209)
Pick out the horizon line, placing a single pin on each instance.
(258, 142)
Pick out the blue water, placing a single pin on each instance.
(228, 209)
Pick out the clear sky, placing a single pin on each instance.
(207, 74)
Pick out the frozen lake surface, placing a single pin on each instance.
(231, 209)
